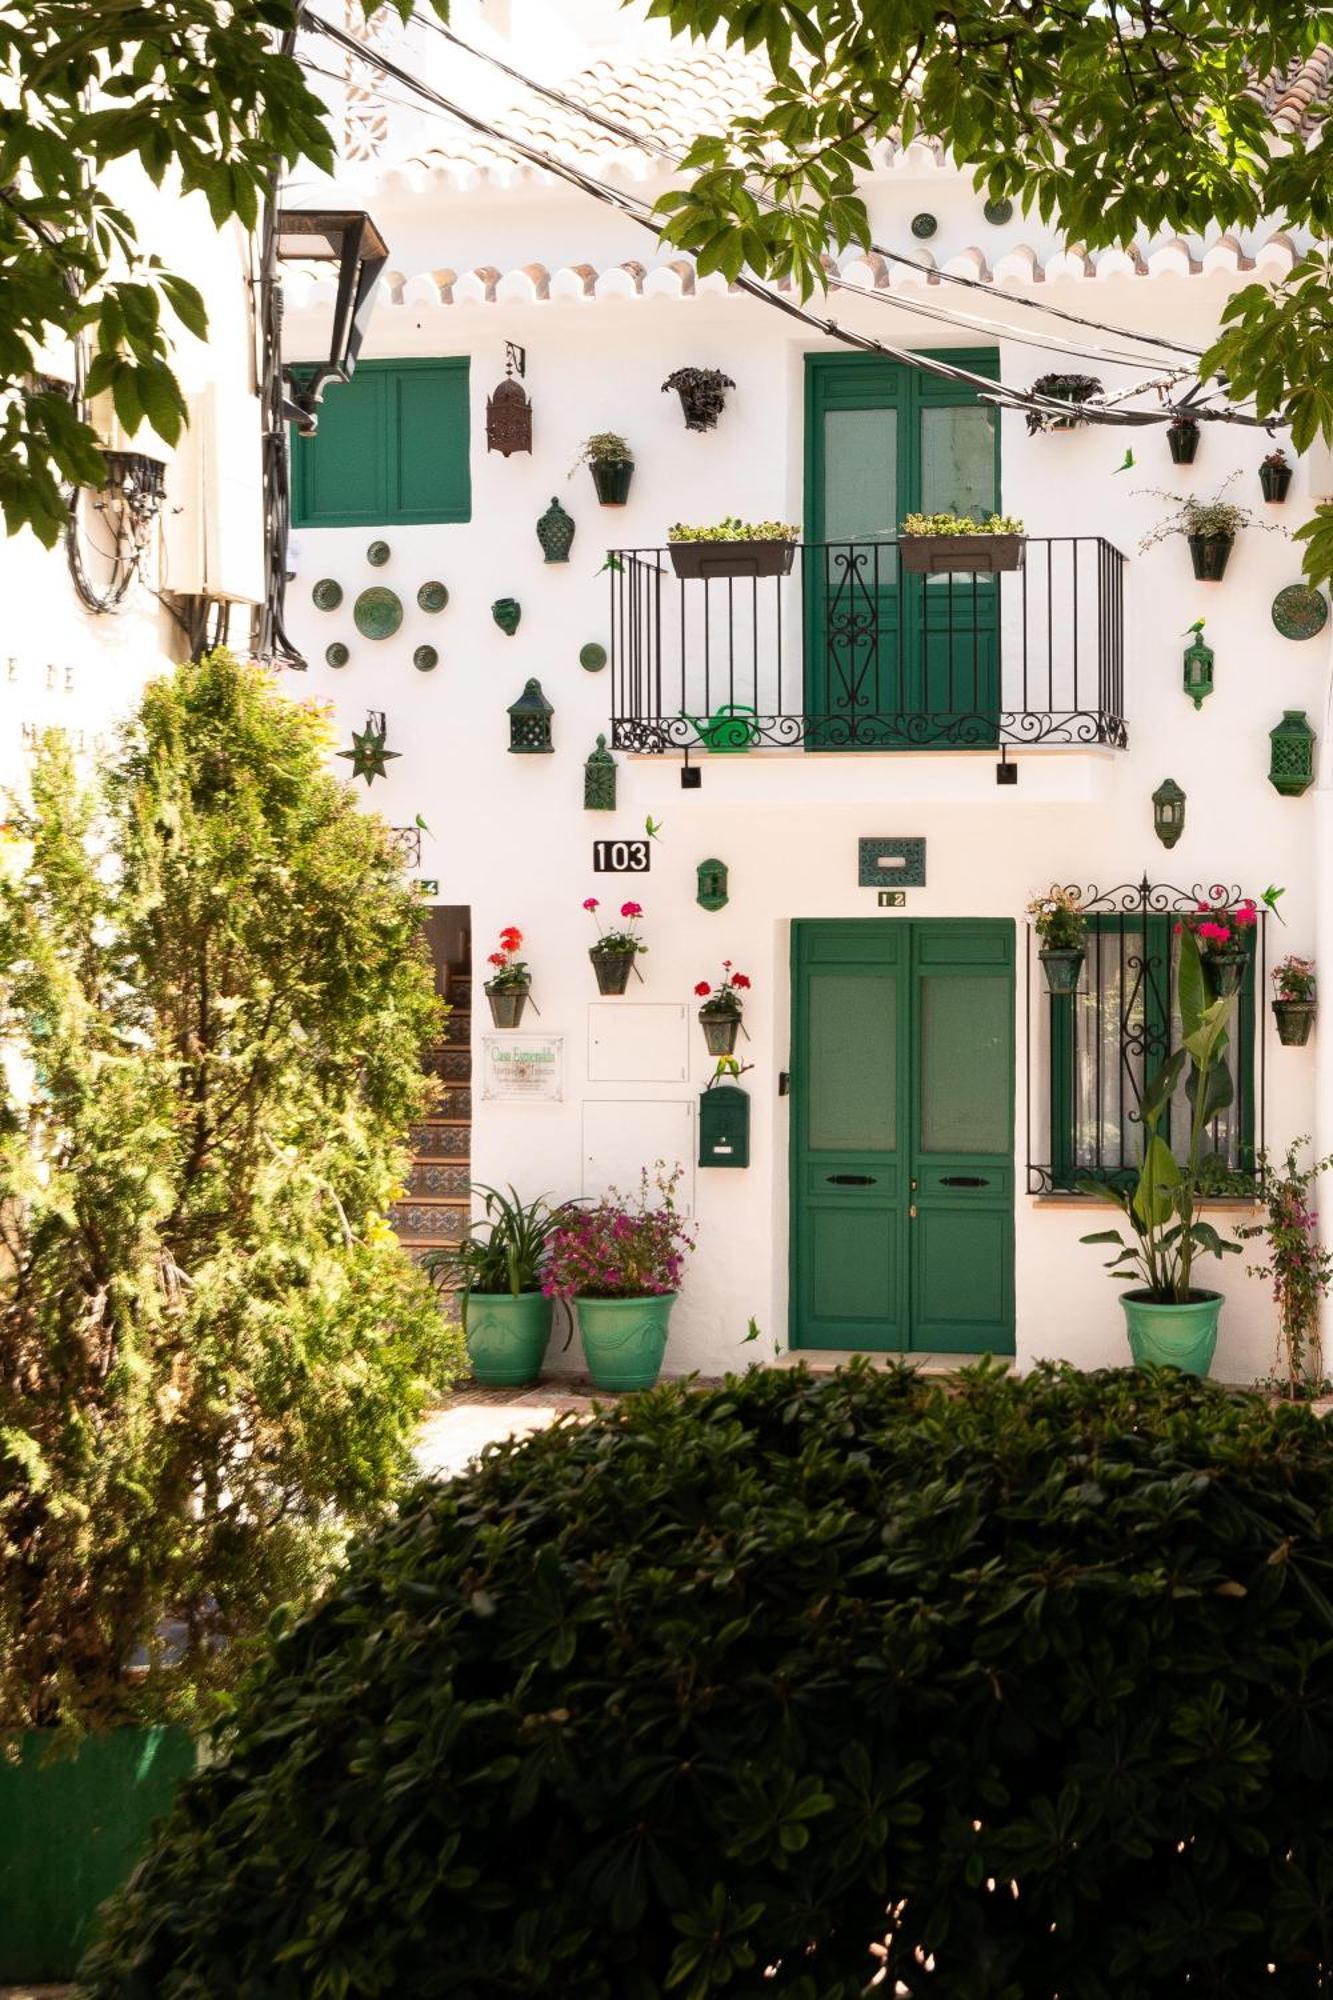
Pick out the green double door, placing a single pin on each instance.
(902, 1225)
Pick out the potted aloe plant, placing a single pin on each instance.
(502, 1260)
(614, 954)
(610, 460)
(1223, 941)
(1294, 1001)
(720, 1014)
(510, 982)
(1275, 475)
(1060, 922)
(1170, 1320)
(1064, 389)
(620, 1262)
(703, 395)
(932, 542)
(1209, 526)
(733, 548)
(1182, 437)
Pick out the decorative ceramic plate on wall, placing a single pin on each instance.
(378, 554)
(1300, 612)
(378, 612)
(592, 657)
(327, 594)
(432, 597)
(425, 659)
(337, 654)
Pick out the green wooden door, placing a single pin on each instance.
(902, 1135)
(895, 660)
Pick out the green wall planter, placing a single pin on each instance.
(71, 1831)
(506, 1337)
(624, 1339)
(1173, 1336)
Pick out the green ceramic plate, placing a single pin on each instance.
(1300, 612)
(337, 654)
(432, 597)
(378, 612)
(592, 657)
(328, 594)
(378, 554)
(425, 659)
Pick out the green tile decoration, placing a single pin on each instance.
(1300, 612)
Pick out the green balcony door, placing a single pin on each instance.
(902, 1110)
(894, 660)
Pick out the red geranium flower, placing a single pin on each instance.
(590, 902)
(496, 958)
(703, 989)
(741, 980)
(631, 909)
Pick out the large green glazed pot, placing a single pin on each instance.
(71, 1832)
(1173, 1336)
(624, 1339)
(506, 1337)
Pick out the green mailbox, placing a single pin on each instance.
(724, 1126)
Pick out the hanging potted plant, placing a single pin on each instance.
(510, 982)
(1209, 526)
(611, 462)
(502, 1262)
(614, 953)
(703, 395)
(1182, 437)
(1294, 1001)
(1060, 923)
(619, 1263)
(720, 1015)
(1222, 940)
(1275, 475)
(934, 542)
(733, 548)
(1170, 1321)
(1064, 389)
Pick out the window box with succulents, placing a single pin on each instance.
(935, 542)
(703, 395)
(1294, 1001)
(614, 954)
(733, 548)
(1061, 924)
(723, 1005)
(510, 982)
(610, 460)
(1275, 475)
(1062, 389)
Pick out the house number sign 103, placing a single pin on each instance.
(621, 857)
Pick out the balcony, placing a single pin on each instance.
(851, 651)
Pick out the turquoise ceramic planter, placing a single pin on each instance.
(506, 1337)
(71, 1831)
(624, 1339)
(1173, 1336)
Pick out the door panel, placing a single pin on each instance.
(902, 1135)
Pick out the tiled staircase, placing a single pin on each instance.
(434, 1214)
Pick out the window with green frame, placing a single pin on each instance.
(391, 448)
(1109, 1037)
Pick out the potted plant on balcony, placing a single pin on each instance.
(611, 462)
(720, 1015)
(1169, 1320)
(614, 954)
(933, 542)
(619, 1263)
(733, 548)
(502, 1261)
(703, 395)
(1060, 922)
(1209, 526)
(1182, 437)
(1275, 475)
(1064, 389)
(510, 982)
(1222, 938)
(1294, 1001)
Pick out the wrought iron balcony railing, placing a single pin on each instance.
(851, 651)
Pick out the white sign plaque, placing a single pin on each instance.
(523, 1068)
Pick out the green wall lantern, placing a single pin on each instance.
(1291, 760)
(711, 893)
(1168, 812)
(555, 532)
(1198, 681)
(724, 1126)
(599, 780)
(530, 723)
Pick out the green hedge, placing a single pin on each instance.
(1029, 1685)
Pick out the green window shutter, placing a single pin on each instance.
(392, 448)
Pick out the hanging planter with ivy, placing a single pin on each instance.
(1210, 528)
(610, 460)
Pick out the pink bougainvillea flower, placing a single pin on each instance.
(703, 989)
(1215, 933)
(590, 902)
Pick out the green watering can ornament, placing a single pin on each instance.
(731, 728)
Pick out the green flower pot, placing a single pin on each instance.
(1173, 1336)
(624, 1339)
(1062, 968)
(1223, 972)
(506, 1337)
(720, 1031)
(1294, 1018)
(71, 1832)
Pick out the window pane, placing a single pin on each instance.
(860, 475)
(853, 1093)
(964, 1040)
(958, 460)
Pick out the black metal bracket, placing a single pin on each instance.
(691, 775)
(1005, 772)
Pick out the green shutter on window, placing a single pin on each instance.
(392, 447)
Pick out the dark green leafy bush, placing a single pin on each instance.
(1030, 1686)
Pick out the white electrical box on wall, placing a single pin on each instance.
(621, 1138)
(638, 1041)
(1318, 463)
(212, 526)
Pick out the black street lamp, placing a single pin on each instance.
(348, 238)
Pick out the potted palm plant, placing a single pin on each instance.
(614, 954)
(1294, 1001)
(733, 548)
(611, 462)
(510, 982)
(502, 1261)
(1275, 475)
(1059, 921)
(720, 1015)
(932, 542)
(1170, 1320)
(703, 395)
(620, 1263)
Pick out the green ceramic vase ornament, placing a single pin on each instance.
(506, 611)
(555, 532)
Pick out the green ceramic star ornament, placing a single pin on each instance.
(368, 756)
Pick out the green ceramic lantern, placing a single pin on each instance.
(1198, 680)
(1168, 812)
(711, 892)
(555, 532)
(599, 779)
(1291, 759)
(530, 723)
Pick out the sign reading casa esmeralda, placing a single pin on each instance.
(530, 1068)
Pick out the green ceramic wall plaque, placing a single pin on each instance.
(432, 596)
(1300, 612)
(592, 657)
(327, 594)
(506, 611)
(378, 554)
(999, 212)
(891, 864)
(425, 659)
(378, 612)
(924, 225)
(711, 891)
(337, 654)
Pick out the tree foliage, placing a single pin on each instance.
(1001, 1690)
(213, 997)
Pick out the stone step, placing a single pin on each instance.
(439, 1180)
